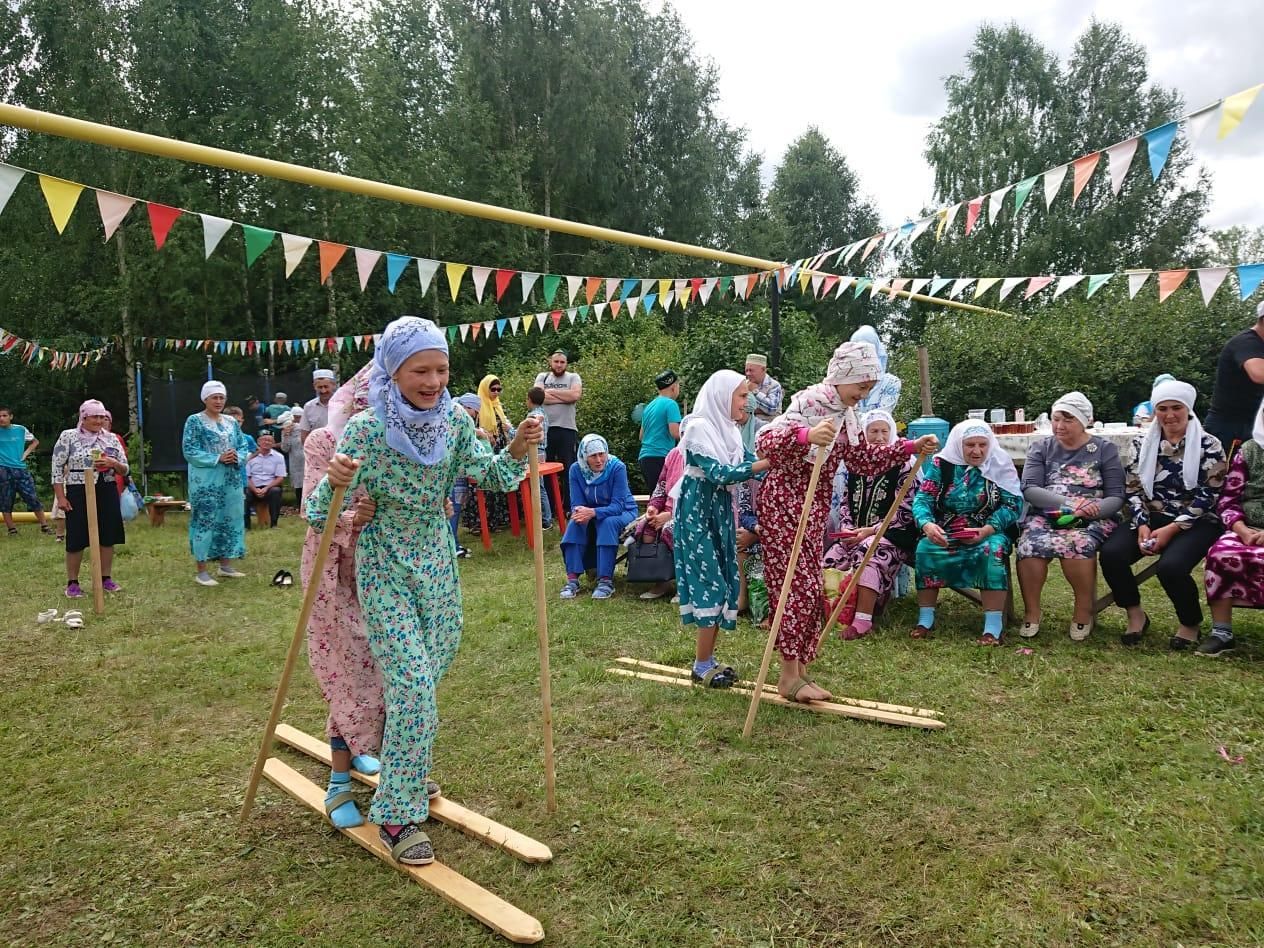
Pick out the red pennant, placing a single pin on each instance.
(161, 217)
(503, 278)
(556, 316)
(696, 283)
(330, 254)
(829, 284)
(972, 213)
(331, 345)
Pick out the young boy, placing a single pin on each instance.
(535, 408)
(16, 445)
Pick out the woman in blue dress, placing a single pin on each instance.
(886, 394)
(601, 506)
(215, 450)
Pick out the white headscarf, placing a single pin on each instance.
(710, 429)
(213, 387)
(997, 467)
(1077, 405)
(1257, 435)
(1148, 457)
(878, 414)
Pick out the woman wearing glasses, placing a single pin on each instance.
(493, 420)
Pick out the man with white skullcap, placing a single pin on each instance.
(316, 411)
(766, 392)
(1239, 388)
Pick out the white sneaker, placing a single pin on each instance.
(1080, 630)
(205, 579)
(229, 572)
(1029, 630)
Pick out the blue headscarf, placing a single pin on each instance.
(592, 444)
(471, 401)
(870, 335)
(418, 435)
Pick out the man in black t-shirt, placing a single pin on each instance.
(1239, 385)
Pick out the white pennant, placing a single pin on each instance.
(480, 280)
(1209, 280)
(843, 283)
(850, 250)
(708, 285)
(366, 260)
(213, 231)
(488, 326)
(920, 228)
(816, 284)
(647, 286)
(539, 319)
(952, 216)
(670, 298)
(570, 315)
(875, 286)
(1007, 287)
(994, 202)
(918, 285)
(113, 208)
(1137, 280)
(515, 322)
(985, 284)
(573, 284)
(1120, 161)
(600, 310)
(612, 287)
(465, 331)
(888, 238)
(294, 246)
(426, 269)
(1053, 181)
(9, 178)
(1197, 123)
(528, 281)
(958, 285)
(1067, 282)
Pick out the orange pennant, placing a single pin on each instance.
(330, 254)
(591, 285)
(1170, 281)
(1083, 169)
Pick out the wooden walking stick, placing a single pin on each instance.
(873, 548)
(304, 615)
(542, 630)
(94, 532)
(822, 451)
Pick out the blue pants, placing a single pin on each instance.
(593, 545)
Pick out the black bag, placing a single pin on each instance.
(650, 562)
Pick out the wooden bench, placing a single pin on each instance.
(1008, 616)
(158, 510)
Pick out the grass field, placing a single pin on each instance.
(1076, 798)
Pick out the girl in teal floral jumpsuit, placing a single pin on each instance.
(406, 452)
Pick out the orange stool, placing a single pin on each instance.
(549, 469)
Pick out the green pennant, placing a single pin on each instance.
(346, 343)
(725, 283)
(551, 280)
(583, 312)
(1021, 190)
(257, 241)
(861, 285)
(1096, 281)
(451, 334)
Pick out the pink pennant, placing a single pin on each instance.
(114, 208)
(1170, 281)
(1036, 285)
(161, 217)
(972, 213)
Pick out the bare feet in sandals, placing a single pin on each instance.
(802, 691)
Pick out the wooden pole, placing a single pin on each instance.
(873, 548)
(821, 453)
(542, 629)
(300, 630)
(94, 532)
(923, 373)
(49, 123)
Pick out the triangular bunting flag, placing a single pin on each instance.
(870, 247)
(1022, 190)
(528, 281)
(972, 213)
(161, 217)
(570, 315)
(539, 320)
(1096, 281)
(330, 255)
(831, 281)
(938, 284)
(918, 285)
(583, 312)
(664, 287)
(849, 251)
(503, 279)
(649, 300)
(1007, 287)
(515, 323)
(612, 284)
(708, 285)
(1249, 277)
(818, 281)
(551, 282)
(684, 295)
(61, 197)
(475, 328)
(465, 330)
(1209, 280)
(1083, 169)
(1053, 181)
(480, 281)
(366, 260)
(1170, 281)
(647, 285)
(599, 310)
(876, 287)
(488, 326)
(666, 301)
(985, 284)
(889, 238)
(426, 269)
(1233, 109)
(556, 316)
(113, 208)
(451, 334)
(1120, 159)
(1158, 144)
(1036, 285)
(396, 264)
(626, 289)
(946, 221)
(920, 228)
(896, 287)
(1067, 282)
(1196, 124)
(995, 200)
(213, 231)
(958, 285)
(9, 178)
(591, 286)
(1136, 281)
(258, 240)
(455, 272)
(573, 284)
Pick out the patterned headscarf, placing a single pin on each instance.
(101, 439)
(878, 414)
(351, 398)
(852, 362)
(1148, 457)
(1077, 405)
(420, 435)
(589, 445)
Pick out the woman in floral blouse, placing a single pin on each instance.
(1173, 485)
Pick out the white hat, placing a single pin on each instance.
(324, 374)
(213, 387)
(280, 397)
(296, 412)
(286, 417)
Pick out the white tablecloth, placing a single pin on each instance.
(1016, 445)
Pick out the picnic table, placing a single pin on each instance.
(157, 510)
(1016, 445)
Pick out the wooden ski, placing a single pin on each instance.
(441, 808)
(876, 705)
(822, 707)
(493, 911)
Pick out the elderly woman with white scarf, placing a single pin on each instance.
(1173, 485)
(215, 450)
(1074, 482)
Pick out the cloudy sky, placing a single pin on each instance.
(870, 76)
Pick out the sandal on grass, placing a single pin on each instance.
(341, 808)
(411, 847)
(73, 619)
(718, 676)
(919, 632)
(48, 615)
(986, 639)
(796, 688)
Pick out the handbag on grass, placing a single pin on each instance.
(650, 561)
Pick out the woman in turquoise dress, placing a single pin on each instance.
(215, 450)
(968, 503)
(406, 452)
(704, 531)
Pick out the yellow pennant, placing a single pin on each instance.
(1231, 113)
(455, 272)
(61, 197)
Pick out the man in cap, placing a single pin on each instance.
(316, 411)
(765, 389)
(1239, 387)
(660, 428)
(562, 391)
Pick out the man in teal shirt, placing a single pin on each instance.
(15, 444)
(660, 428)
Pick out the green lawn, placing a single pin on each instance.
(1076, 796)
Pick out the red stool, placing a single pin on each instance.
(549, 469)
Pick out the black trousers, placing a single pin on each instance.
(651, 469)
(563, 446)
(1227, 432)
(273, 497)
(1177, 561)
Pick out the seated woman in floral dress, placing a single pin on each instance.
(1234, 572)
(865, 502)
(969, 500)
(1074, 482)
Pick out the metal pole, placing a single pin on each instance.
(209, 374)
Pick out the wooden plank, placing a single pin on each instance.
(823, 707)
(493, 911)
(441, 808)
(1108, 600)
(877, 705)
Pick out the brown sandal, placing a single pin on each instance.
(796, 688)
(920, 632)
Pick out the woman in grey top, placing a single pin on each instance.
(1074, 483)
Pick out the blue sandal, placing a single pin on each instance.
(340, 806)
